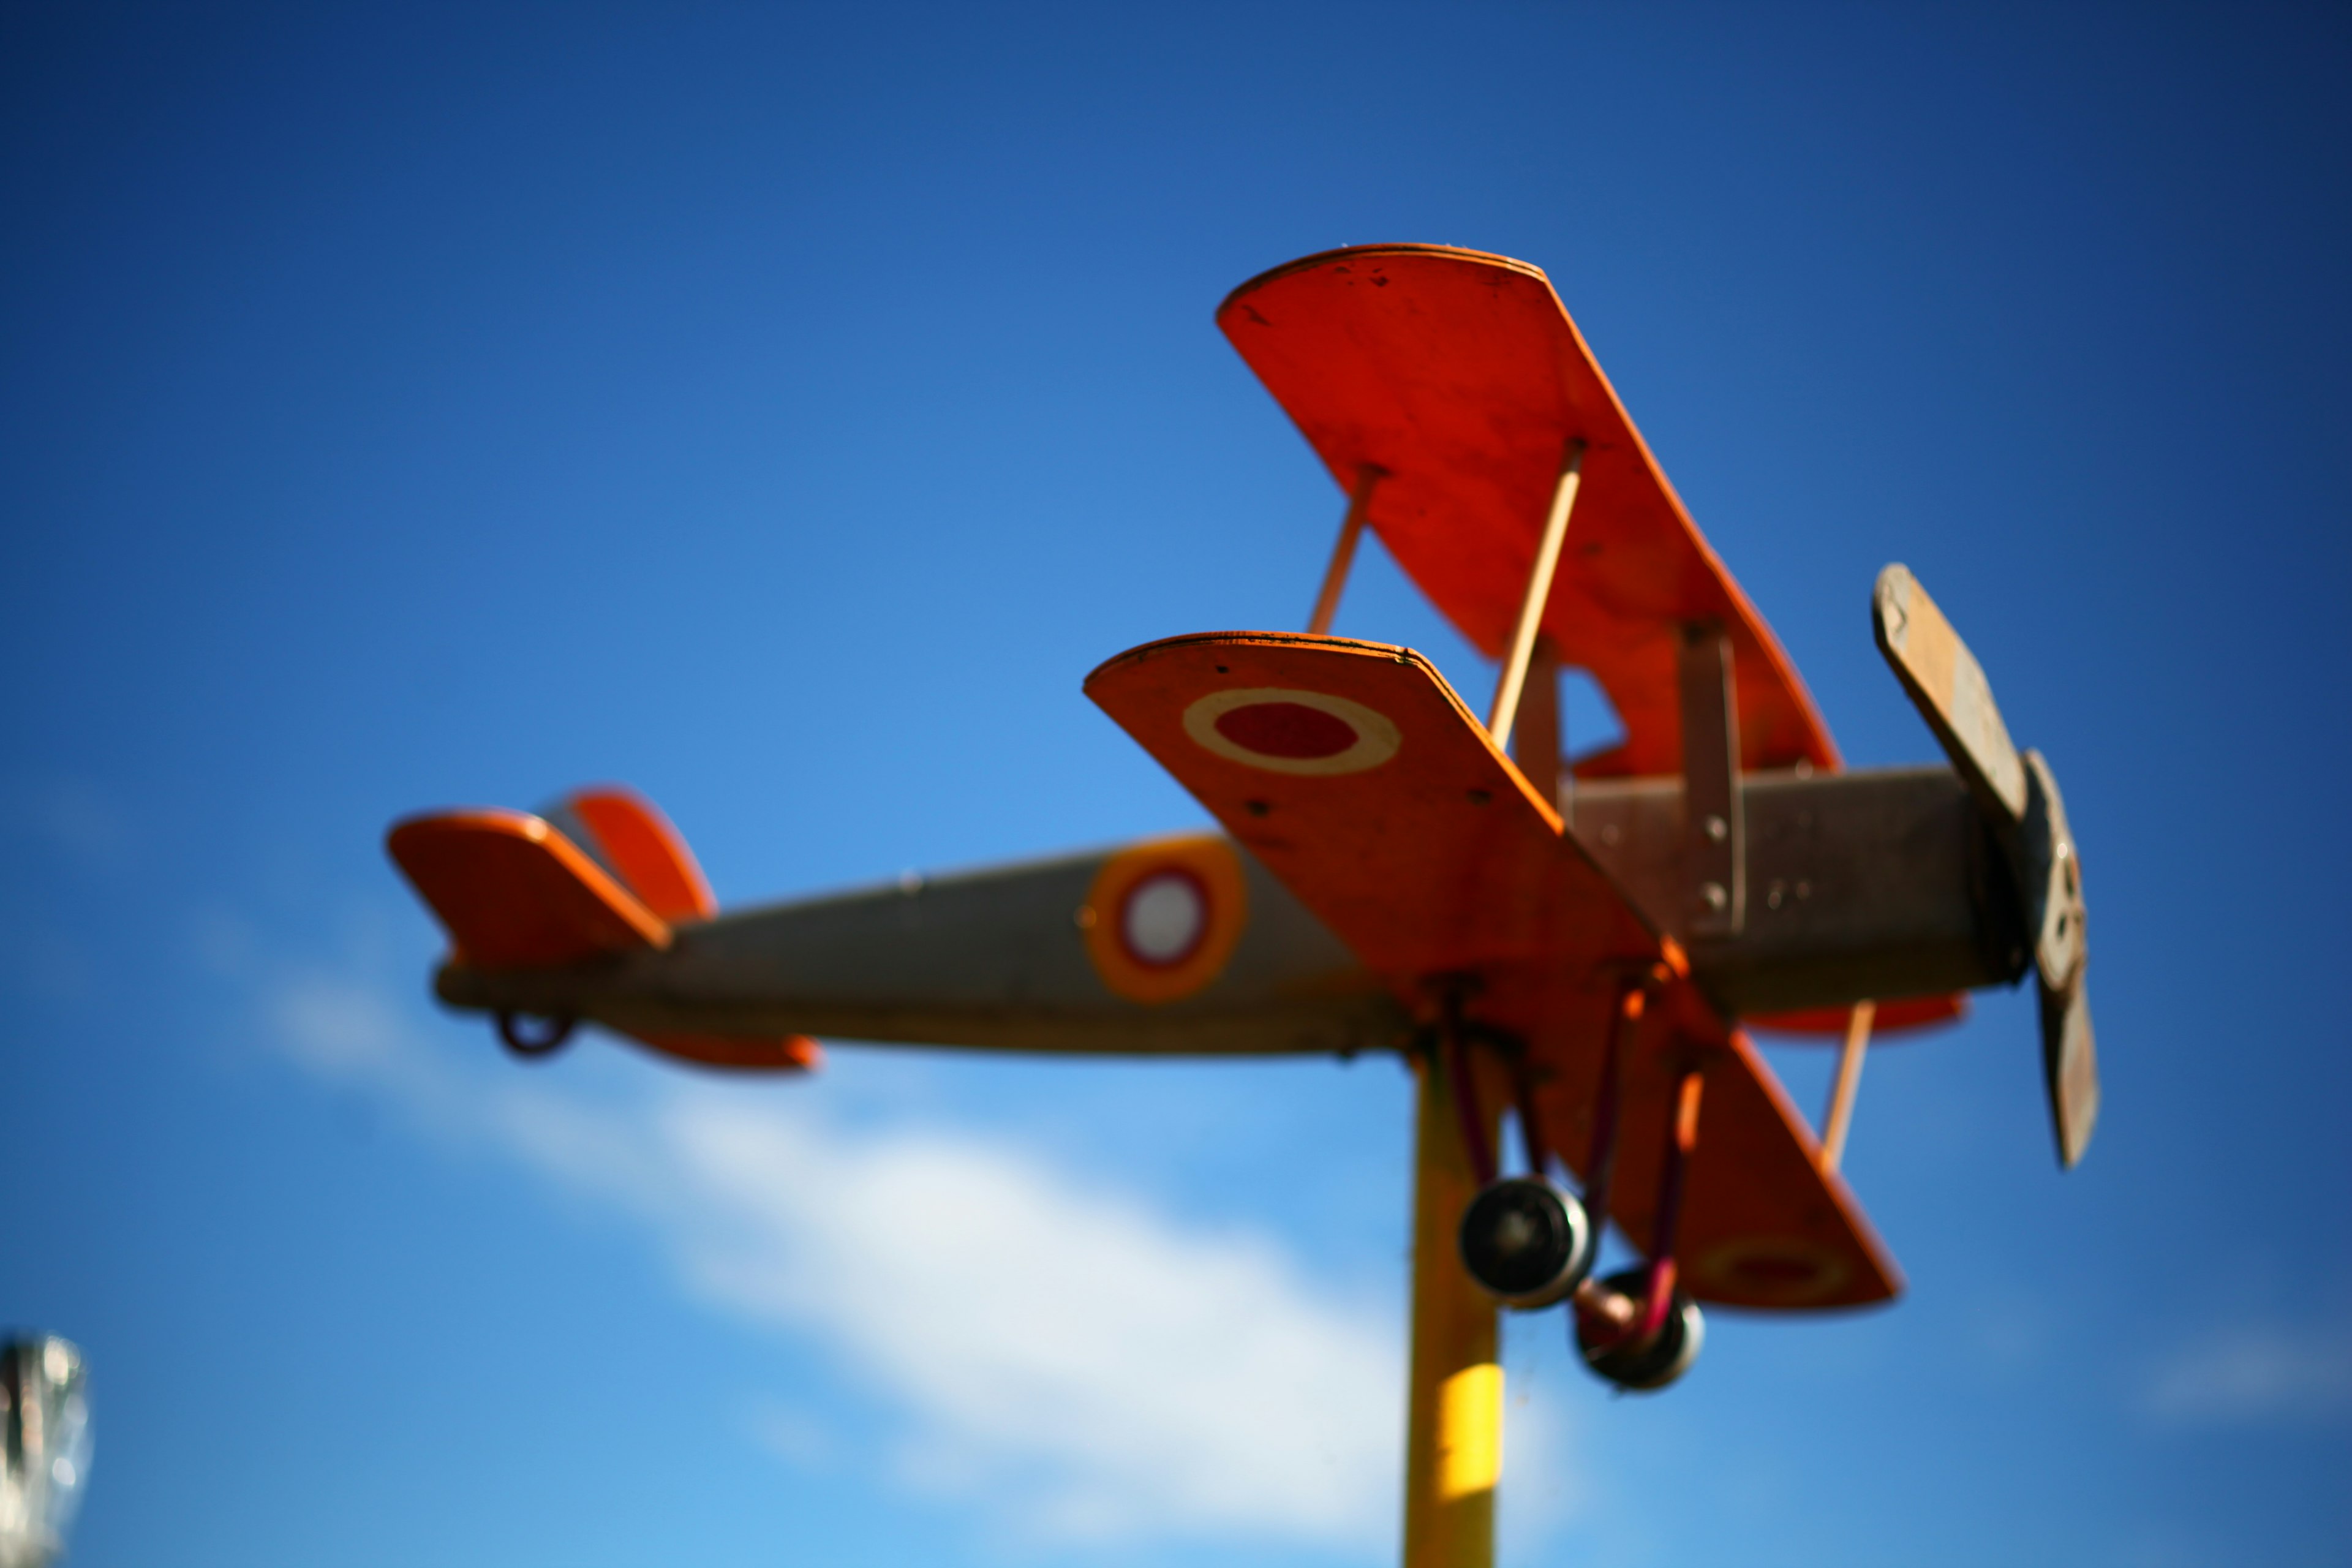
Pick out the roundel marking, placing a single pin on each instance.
(1771, 1271)
(1281, 731)
(1161, 918)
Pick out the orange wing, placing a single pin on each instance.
(1355, 774)
(1461, 375)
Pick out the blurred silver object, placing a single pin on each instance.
(44, 1402)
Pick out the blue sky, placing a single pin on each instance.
(781, 410)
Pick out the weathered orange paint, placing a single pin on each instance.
(1440, 866)
(1461, 377)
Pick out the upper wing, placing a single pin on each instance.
(1461, 376)
(1355, 774)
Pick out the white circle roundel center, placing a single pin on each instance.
(1166, 915)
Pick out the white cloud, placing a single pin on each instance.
(1065, 1354)
(2252, 1374)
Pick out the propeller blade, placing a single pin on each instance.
(2019, 794)
(1947, 685)
(2059, 920)
(2052, 880)
(2070, 1069)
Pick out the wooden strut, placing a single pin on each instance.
(1598, 1169)
(1539, 754)
(1627, 1317)
(1453, 1039)
(1522, 647)
(1531, 1126)
(1840, 1120)
(1681, 1138)
(1343, 551)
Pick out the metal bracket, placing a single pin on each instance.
(1715, 848)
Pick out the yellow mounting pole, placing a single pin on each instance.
(1453, 1422)
(1531, 608)
(1343, 553)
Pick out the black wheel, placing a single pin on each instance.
(553, 1033)
(1525, 1242)
(1634, 1366)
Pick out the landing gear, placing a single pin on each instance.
(1636, 1328)
(549, 1038)
(1617, 1351)
(1527, 1241)
(1530, 1244)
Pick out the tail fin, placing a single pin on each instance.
(518, 891)
(628, 836)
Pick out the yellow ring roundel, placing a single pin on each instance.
(1281, 731)
(1163, 917)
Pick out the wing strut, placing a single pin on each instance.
(1531, 608)
(1343, 553)
(1840, 1121)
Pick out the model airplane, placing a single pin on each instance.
(1578, 943)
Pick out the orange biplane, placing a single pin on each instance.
(1575, 946)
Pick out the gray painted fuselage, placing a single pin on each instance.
(1877, 884)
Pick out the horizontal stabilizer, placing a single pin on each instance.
(514, 893)
(786, 1053)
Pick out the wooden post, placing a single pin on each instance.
(1531, 608)
(1840, 1120)
(1453, 1432)
(1539, 753)
(1715, 832)
(1343, 553)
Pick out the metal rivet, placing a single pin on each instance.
(1712, 895)
(1717, 828)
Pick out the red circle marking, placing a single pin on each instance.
(1288, 730)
